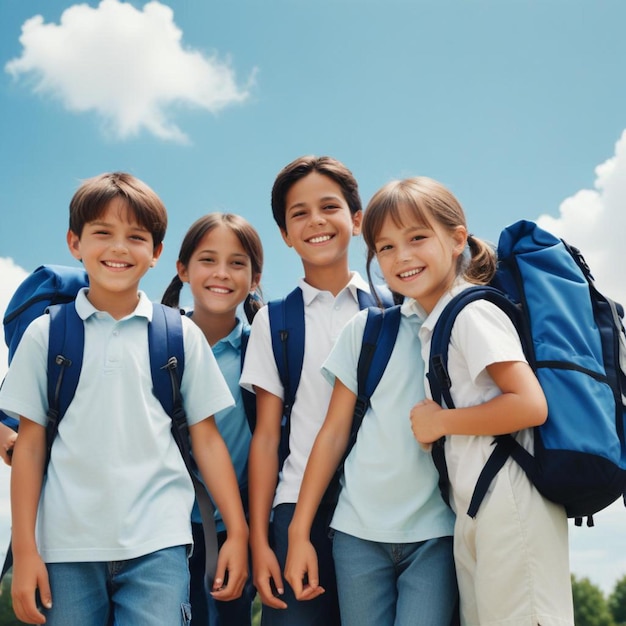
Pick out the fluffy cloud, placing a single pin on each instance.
(127, 65)
(594, 220)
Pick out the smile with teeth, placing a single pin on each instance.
(115, 264)
(410, 273)
(319, 239)
(221, 290)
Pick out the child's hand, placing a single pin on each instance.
(232, 568)
(425, 424)
(267, 578)
(301, 570)
(7, 442)
(29, 575)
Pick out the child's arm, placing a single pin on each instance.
(211, 455)
(262, 479)
(328, 449)
(29, 571)
(521, 404)
(7, 442)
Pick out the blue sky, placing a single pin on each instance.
(518, 106)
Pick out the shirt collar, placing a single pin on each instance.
(356, 282)
(412, 307)
(85, 309)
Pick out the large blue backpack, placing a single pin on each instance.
(52, 289)
(573, 338)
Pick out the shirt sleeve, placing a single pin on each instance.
(483, 334)
(343, 359)
(259, 368)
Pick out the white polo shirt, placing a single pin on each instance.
(117, 487)
(325, 316)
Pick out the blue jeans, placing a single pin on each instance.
(395, 584)
(150, 590)
(324, 610)
(205, 611)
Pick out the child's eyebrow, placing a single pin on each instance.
(243, 255)
(329, 198)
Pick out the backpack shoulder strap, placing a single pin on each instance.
(167, 365)
(286, 317)
(167, 357)
(248, 398)
(287, 331)
(379, 338)
(66, 344)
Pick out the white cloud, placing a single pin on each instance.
(129, 66)
(594, 221)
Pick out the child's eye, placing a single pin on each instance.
(383, 248)
(205, 259)
(418, 237)
(139, 237)
(331, 207)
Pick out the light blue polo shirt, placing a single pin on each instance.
(117, 487)
(390, 488)
(231, 422)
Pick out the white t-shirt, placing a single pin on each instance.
(390, 486)
(117, 487)
(482, 335)
(325, 316)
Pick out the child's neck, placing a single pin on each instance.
(329, 278)
(117, 305)
(214, 326)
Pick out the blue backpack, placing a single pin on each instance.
(574, 340)
(52, 289)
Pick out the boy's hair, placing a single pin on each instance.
(426, 200)
(250, 242)
(305, 165)
(94, 195)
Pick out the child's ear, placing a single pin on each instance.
(357, 218)
(285, 237)
(73, 243)
(256, 279)
(183, 274)
(459, 237)
(156, 254)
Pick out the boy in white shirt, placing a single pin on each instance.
(316, 204)
(112, 516)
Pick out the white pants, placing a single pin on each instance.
(512, 561)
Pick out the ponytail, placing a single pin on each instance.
(481, 265)
(171, 297)
(252, 304)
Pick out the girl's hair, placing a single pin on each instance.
(94, 195)
(305, 165)
(426, 200)
(250, 241)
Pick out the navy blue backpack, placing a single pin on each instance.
(573, 338)
(52, 289)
